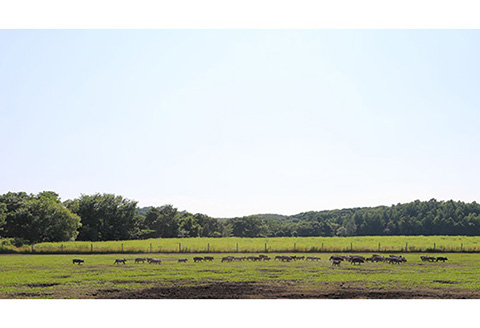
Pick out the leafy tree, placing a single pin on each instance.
(50, 196)
(162, 221)
(210, 227)
(250, 226)
(189, 227)
(40, 218)
(14, 200)
(350, 226)
(106, 217)
(342, 231)
(50, 222)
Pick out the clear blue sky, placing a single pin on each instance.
(238, 122)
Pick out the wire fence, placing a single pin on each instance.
(111, 247)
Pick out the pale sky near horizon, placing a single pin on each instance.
(237, 122)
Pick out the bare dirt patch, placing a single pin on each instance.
(446, 282)
(43, 285)
(220, 290)
(111, 290)
(250, 290)
(130, 281)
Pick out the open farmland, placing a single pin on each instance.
(54, 276)
(280, 244)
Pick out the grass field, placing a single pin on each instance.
(54, 276)
(284, 244)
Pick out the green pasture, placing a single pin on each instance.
(54, 276)
(282, 244)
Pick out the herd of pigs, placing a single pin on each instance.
(335, 259)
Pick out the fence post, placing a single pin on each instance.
(91, 248)
(150, 247)
(406, 247)
(237, 247)
(461, 248)
(294, 247)
(434, 246)
(61, 248)
(379, 247)
(265, 247)
(179, 247)
(122, 247)
(351, 247)
(32, 249)
(322, 247)
(208, 247)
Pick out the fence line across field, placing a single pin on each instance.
(211, 248)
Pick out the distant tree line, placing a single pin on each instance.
(415, 218)
(29, 218)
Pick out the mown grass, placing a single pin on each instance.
(54, 276)
(283, 244)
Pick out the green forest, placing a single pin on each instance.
(43, 217)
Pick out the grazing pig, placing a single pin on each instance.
(441, 258)
(198, 259)
(336, 257)
(351, 257)
(313, 258)
(253, 258)
(140, 259)
(357, 260)
(208, 258)
(118, 261)
(394, 260)
(427, 258)
(182, 260)
(78, 261)
(378, 258)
